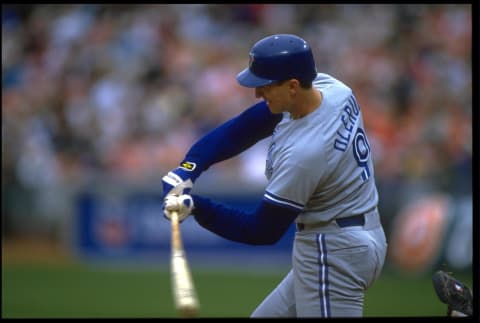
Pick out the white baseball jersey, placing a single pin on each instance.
(321, 163)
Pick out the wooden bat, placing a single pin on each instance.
(184, 294)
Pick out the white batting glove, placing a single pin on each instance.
(182, 204)
(176, 182)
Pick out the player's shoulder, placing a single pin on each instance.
(324, 80)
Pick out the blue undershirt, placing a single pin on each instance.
(264, 226)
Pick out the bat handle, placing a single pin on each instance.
(173, 217)
(176, 237)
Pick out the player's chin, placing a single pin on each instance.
(273, 109)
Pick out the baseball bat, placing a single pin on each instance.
(184, 294)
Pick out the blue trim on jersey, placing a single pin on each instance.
(323, 277)
(365, 174)
(283, 201)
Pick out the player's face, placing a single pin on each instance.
(277, 96)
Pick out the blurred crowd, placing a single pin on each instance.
(122, 91)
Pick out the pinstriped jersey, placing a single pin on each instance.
(321, 164)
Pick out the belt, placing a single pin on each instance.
(355, 220)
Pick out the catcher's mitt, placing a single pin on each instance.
(450, 291)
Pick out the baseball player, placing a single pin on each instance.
(320, 176)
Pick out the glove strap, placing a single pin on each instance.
(172, 179)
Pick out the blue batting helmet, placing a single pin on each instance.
(277, 58)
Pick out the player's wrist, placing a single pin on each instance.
(188, 169)
(180, 180)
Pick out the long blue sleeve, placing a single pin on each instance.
(232, 137)
(263, 226)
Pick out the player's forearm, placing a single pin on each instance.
(233, 137)
(265, 225)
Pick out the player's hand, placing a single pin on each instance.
(182, 204)
(176, 182)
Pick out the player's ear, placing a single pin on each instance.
(293, 85)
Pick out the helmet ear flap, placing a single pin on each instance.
(277, 58)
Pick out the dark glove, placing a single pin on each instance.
(450, 291)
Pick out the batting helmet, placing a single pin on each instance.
(277, 58)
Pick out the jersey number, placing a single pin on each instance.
(361, 152)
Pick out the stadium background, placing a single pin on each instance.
(100, 101)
